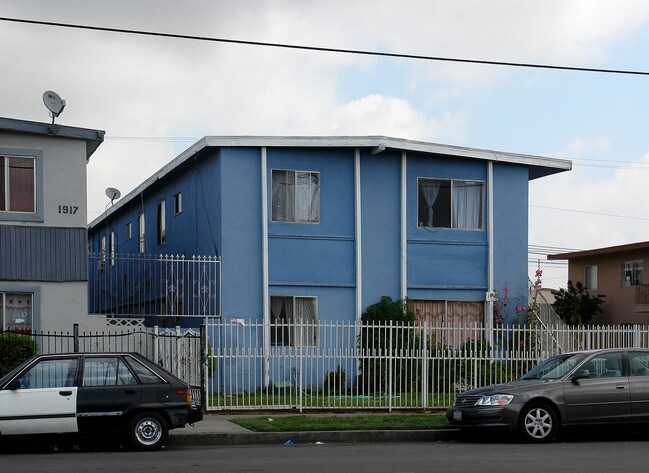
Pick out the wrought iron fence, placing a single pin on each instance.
(167, 288)
(354, 366)
(178, 351)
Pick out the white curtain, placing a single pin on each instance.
(283, 196)
(467, 205)
(429, 190)
(305, 319)
(307, 197)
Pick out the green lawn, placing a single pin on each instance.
(300, 423)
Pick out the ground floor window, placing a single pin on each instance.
(456, 317)
(293, 321)
(16, 311)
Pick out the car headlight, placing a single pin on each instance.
(495, 400)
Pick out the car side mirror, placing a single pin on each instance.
(15, 384)
(579, 374)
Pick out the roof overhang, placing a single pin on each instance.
(93, 138)
(601, 251)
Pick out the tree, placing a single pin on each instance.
(575, 305)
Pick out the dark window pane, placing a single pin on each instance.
(3, 187)
(21, 184)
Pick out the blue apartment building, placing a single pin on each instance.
(319, 228)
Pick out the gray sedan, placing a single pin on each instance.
(573, 389)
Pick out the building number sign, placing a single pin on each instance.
(68, 209)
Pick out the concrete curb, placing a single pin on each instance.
(205, 439)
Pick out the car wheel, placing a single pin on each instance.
(147, 431)
(538, 423)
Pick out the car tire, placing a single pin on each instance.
(147, 431)
(538, 423)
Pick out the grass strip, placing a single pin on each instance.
(304, 423)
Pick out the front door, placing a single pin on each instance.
(602, 397)
(44, 403)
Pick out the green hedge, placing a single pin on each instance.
(14, 349)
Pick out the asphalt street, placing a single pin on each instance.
(573, 456)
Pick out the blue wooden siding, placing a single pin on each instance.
(222, 215)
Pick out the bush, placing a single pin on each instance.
(334, 382)
(14, 349)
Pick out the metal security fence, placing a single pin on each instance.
(388, 366)
(178, 351)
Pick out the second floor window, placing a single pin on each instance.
(632, 273)
(590, 277)
(446, 203)
(162, 224)
(296, 196)
(17, 184)
(140, 231)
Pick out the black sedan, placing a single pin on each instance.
(91, 393)
(601, 387)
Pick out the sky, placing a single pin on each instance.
(154, 97)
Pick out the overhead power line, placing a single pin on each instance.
(325, 49)
(589, 213)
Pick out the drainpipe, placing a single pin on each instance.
(264, 253)
(490, 248)
(404, 228)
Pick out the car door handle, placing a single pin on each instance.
(65, 393)
(620, 386)
(129, 391)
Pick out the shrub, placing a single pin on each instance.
(334, 382)
(14, 349)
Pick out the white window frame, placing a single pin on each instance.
(3, 307)
(294, 200)
(634, 267)
(294, 333)
(141, 233)
(590, 277)
(453, 183)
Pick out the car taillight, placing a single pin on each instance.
(186, 392)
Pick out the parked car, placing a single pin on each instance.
(90, 393)
(573, 389)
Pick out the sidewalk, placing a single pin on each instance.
(217, 429)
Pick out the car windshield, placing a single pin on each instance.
(555, 367)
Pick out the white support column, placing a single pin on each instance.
(359, 245)
(264, 258)
(404, 227)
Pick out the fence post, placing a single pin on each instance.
(75, 335)
(390, 355)
(424, 367)
(156, 348)
(204, 366)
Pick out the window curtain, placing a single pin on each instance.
(280, 318)
(305, 318)
(18, 313)
(429, 190)
(21, 184)
(467, 205)
(307, 197)
(283, 196)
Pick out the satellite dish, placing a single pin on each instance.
(113, 193)
(54, 103)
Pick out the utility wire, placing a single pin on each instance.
(325, 49)
(587, 212)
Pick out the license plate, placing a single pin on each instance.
(457, 415)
